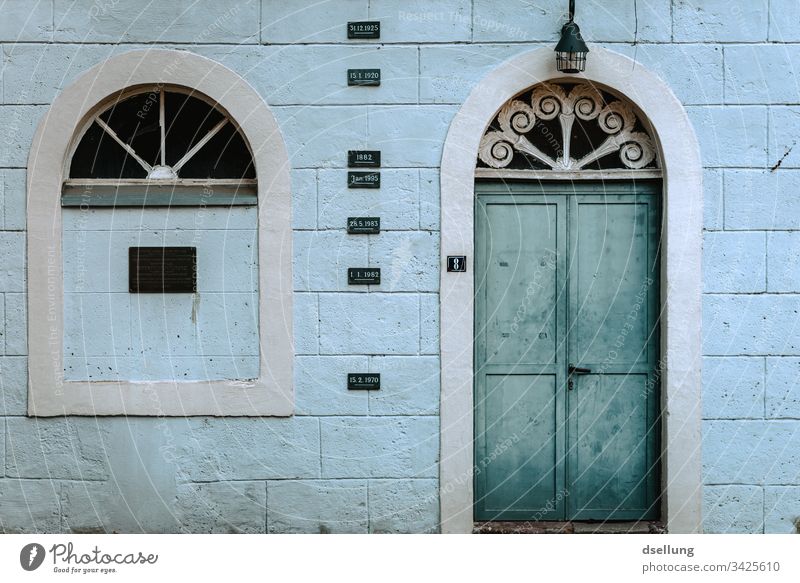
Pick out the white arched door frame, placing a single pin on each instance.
(681, 277)
(48, 393)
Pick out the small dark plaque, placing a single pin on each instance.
(162, 270)
(364, 158)
(363, 180)
(363, 225)
(364, 77)
(457, 263)
(363, 275)
(364, 29)
(363, 381)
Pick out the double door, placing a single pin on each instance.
(567, 351)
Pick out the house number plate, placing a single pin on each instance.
(363, 180)
(456, 263)
(363, 76)
(363, 275)
(364, 29)
(364, 225)
(369, 381)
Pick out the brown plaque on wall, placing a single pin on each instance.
(162, 270)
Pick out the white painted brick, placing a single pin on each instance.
(731, 135)
(222, 507)
(404, 506)
(733, 509)
(14, 200)
(692, 71)
(713, 207)
(309, 22)
(195, 219)
(762, 200)
(409, 385)
(783, 25)
(24, 20)
(35, 73)
(29, 506)
(782, 509)
(423, 21)
(56, 448)
(396, 202)
(735, 262)
(98, 324)
(429, 204)
(319, 137)
(783, 392)
(19, 124)
(152, 367)
(304, 199)
(306, 324)
(321, 385)
(192, 21)
(757, 74)
(247, 449)
(751, 452)
(12, 262)
(16, 324)
(409, 136)
(317, 506)
(408, 260)
(784, 129)
(761, 324)
(609, 20)
(429, 324)
(720, 21)
(733, 388)
(783, 261)
(13, 385)
(321, 259)
(374, 323)
(380, 447)
(3, 324)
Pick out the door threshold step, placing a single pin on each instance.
(570, 527)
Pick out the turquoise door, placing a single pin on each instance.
(567, 351)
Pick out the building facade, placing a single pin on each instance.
(588, 284)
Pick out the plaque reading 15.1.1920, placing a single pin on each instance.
(162, 270)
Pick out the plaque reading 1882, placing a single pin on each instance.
(364, 29)
(363, 76)
(363, 180)
(362, 158)
(162, 270)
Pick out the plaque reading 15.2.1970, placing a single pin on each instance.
(162, 270)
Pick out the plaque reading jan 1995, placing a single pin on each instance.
(162, 270)
(364, 29)
(363, 180)
(364, 77)
(363, 225)
(364, 158)
(363, 275)
(365, 381)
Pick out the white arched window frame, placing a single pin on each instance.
(58, 133)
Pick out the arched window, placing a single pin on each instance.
(142, 300)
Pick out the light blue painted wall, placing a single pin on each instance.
(359, 462)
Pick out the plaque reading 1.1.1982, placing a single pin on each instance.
(162, 270)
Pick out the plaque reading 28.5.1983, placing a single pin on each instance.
(162, 270)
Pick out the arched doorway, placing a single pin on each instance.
(659, 130)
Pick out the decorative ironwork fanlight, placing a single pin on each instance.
(571, 50)
(567, 127)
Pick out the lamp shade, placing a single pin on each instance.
(571, 49)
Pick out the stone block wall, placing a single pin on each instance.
(359, 462)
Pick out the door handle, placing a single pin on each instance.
(572, 369)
